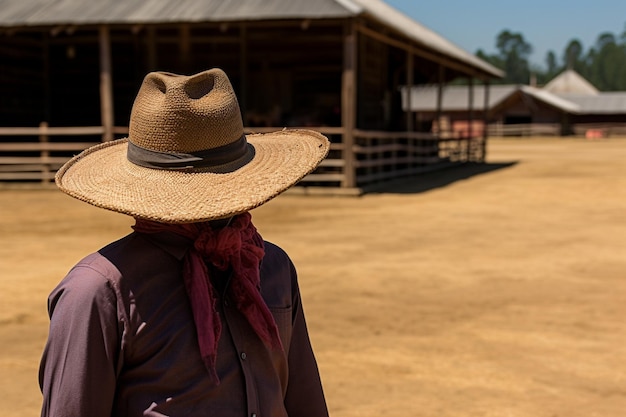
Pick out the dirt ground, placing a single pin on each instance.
(481, 291)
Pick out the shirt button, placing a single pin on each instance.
(243, 355)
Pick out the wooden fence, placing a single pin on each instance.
(375, 156)
(587, 130)
(383, 156)
(599, 130)
(524, 129)
(29, 160)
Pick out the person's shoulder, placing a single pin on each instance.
(274, 250)
(122, 245)
(277, 264)
(278, 277)
(93, 267)
(275, 254)
(91, 281)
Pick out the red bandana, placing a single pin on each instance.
(238, 246)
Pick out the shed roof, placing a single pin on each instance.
(552, 99)
(20, 13)
(602, 103)
(456, 97)
(570, 82)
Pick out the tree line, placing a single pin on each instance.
(603, 64)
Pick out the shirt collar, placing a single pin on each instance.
(172, 243)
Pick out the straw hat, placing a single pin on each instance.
(186, 158)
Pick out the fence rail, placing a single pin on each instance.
(375, 155)
(525, 129)
(27, 160)
(600, 130)
(382, 156)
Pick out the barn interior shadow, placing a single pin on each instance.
(436, 179)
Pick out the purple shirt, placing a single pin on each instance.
(122, 341)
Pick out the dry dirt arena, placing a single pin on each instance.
(481, 291)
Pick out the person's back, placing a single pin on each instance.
(181, 318)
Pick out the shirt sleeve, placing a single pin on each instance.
(78, 369)
(305, 396)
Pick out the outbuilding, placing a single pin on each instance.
(69, 71)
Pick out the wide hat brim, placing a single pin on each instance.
(103, 176)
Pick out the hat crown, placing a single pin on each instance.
(177, 113)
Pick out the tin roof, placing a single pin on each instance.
(456, 97)
(20, 13)
(570, 82)
(57, 12)
(601, 103)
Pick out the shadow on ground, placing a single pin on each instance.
(436, 179)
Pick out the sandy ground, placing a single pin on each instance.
(491, 291)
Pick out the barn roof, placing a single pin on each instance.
(456, 98)
(601, 103)
(33, 13)
(570, 82)
(552, 99)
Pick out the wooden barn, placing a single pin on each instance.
(567, 105)
(70, 69)
(503, 109)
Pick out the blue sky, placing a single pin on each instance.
(545, 24)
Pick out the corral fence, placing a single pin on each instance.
(36, 153)
(586, 130)
(23, 159)
(524, 129)
(599, 130)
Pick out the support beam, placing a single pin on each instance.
(440, 84)
(409, 85)
(485, 123)
(152, 48)
(106, 84)
(349, 102)
(185, 47)
(470, 106)
(243, 71)
(464, 69)
(47, 96)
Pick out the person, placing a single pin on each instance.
(192, 313)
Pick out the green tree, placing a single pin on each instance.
(492, 59)
(603, 65)
(552, 68)
(512, 57)
(514, 52)
(608, 63)
(572, 57)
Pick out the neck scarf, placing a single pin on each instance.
(237, 246)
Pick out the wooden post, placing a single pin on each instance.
(409, 81)
(483, 150)
(470, 118)
(243, 70)
(349, 103)
(106, 84)
(440, 84)
(152, 48)
(184, 47)
(46, 77)
(410, 121)
(441, 75)
(45, 154)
